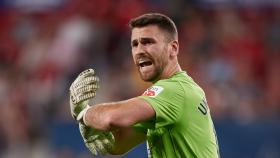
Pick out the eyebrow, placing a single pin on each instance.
(143, 39)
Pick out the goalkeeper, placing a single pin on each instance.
(172, 115)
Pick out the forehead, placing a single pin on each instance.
(150, 31)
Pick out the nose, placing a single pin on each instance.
(139, 49)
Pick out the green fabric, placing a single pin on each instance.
(183, 127)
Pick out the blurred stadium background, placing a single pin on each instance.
(230, 47)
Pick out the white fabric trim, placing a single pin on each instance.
(82, 114)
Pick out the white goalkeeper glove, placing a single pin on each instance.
(81, 90)
(98, 142)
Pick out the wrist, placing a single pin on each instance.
(82, 114)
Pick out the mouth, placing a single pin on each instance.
(144, 62)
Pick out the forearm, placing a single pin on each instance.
(106, 117)
(117, 115)
(119, 118)
(98, 116)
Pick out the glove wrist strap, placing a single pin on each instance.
(81, 116)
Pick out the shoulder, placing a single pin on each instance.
(164, 87)
(162, 92)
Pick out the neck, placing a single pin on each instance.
(170, 70)
(173, 70)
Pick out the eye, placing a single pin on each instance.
(146, 41)
(134, 44)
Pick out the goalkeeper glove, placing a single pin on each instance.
(81, 90)
(97, 141)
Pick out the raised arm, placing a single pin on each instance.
(119, 117)
(115, 115)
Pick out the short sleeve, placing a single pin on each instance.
(143, 126)
(167, 99)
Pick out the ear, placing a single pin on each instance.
(174, 48)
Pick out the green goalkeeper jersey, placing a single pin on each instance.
(182, 127)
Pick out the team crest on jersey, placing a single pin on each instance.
(153, 91)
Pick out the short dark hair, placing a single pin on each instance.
(162, 21)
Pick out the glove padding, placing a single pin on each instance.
(97, 141)
(81, 90)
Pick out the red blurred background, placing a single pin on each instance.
(231, 48)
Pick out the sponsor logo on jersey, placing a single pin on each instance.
(153, 91)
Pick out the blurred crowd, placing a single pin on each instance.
(232, 52)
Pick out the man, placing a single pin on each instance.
(172, 115)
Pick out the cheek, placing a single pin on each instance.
(155, 51)
(134, 60)
(133, 57)
(133, 53)
(164, 57)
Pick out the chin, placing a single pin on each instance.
(145, 77)
(149, 78)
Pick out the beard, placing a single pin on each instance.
(151, 76)
(153, 72)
